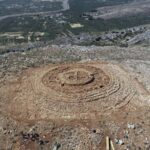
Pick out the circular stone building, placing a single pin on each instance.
(70, 91)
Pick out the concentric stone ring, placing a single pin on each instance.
(71, 91)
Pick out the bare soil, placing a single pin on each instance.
(74, 106)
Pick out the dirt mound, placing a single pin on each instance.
(71, 91)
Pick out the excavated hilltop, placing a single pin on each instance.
(74, 105)
(70, 91)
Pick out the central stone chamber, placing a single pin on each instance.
(76, 77)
